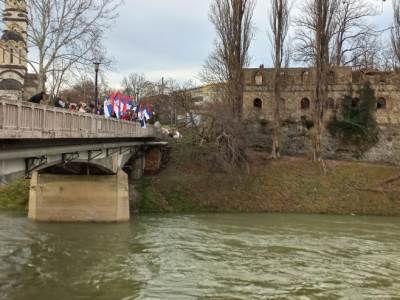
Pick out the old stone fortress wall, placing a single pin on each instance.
(297, 105)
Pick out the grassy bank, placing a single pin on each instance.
(293, 185)
(15, 196)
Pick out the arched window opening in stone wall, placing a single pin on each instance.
(257, 103)
(12, 56)
(381, 104)
(355, 102)
(305, 104)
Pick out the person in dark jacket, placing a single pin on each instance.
(60, 103)
(37, 98)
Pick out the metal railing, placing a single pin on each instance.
(25, 120)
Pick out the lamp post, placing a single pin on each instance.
(96, 89)
(137, 95)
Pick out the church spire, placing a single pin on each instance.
(13, 45)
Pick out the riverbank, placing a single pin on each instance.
(15, 196)
(289, 185)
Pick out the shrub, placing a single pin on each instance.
(357, 124)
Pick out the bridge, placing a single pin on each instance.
(82, 166)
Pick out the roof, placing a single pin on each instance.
(11, 35)
(10, 84)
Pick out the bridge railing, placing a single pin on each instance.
(27, 120)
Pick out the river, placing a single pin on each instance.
(202, 257)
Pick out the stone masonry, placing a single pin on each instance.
(297, 105)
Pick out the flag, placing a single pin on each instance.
(112, 98)
(125, 106)
(107, 107)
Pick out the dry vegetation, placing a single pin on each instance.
(290, 185)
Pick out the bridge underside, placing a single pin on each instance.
(19, 158)
(85, 181)
(75, 160)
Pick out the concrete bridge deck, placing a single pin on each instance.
(43, 134)
(24, 120)
(82, 165)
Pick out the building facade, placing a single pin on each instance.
(297, 100)
(297, 105)
(14, 77)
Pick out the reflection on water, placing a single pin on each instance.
(202, 257)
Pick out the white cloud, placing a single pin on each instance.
(173, 38)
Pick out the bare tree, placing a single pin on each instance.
(232, 20)
(279, 22)
(82, 91)
(370, 54)
(137, 83)
(353, 31)
(313, 19)
(67, 33)
(395, 33)
(325, 11)
(317, 30)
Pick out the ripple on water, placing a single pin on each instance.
(202, 257)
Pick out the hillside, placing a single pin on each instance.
(292, 185)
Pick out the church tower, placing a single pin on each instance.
(13, 46)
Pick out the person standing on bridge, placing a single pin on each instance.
(59, 102)
(37, 98)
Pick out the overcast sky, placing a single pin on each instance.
(172, 38)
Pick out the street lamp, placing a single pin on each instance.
(96, 89)
(137, 95)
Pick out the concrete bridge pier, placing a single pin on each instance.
(85, 191)
(79, 198)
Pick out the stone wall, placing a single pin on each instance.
(298, 90)
(153, 161)
(296, 141)
(298, 85)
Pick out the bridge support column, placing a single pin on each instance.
(79, 198)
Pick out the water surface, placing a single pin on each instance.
(202, 257)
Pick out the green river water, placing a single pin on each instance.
(202, 257)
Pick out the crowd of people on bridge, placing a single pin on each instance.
(116, 105)
(126, 108)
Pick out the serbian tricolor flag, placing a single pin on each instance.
(130, 103)
(107, 107)
(117, 105)
(112, 103)
(125, 104)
